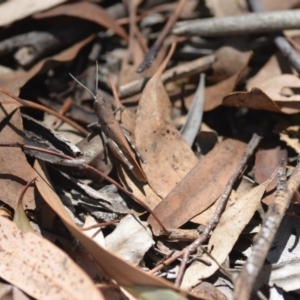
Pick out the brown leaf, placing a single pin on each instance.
(255, 99)
(39, 268)
(124, 273)
(279, 94)
(169, 158)
(14, 168)
(88, 11)
(266, 162)
(236, 65)
(12, 11)
(201, 187)
(14, 81)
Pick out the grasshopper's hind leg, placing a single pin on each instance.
(133, 146)
(119, 153)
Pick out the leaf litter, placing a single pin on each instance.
(213, 212)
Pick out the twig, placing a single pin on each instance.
(151, 54)
(216, 217)
(271, 222)
(43, 108)
(91, 169)
(184, 70)
(254, 23)
(280, 41)
(194, 117)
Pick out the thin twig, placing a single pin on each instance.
(264, 239)
(151, 54)
(263, 22)
(280, 41)
(216, 217)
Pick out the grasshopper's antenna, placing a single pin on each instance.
(97, 74)
(83, 85)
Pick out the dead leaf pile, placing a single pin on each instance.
(168, 169)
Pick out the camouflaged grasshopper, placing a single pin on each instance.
(113, 136)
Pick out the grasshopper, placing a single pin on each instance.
(113, 136)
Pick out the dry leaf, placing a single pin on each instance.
(14, 168)
(238, 63)
(39, 268)
(139, 189)
(278, 94)
(266, 162)
(119, 270)
(169, 158)
(88, 11)
(201, 187)
(14, 10)
(291, 137)
(223, 238)
(131, 239)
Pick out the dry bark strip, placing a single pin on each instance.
(271, 222)
(246, 24)
(202, 186)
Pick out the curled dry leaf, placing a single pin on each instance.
(88, 11)
(43, 270)
(278, 94)
(14, 81)
(236, 64)
(123, 273)
(169, 158)
(14, 10)
(14, 168)
(223, 238)
(201, 187)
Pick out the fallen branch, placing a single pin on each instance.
(255, 23)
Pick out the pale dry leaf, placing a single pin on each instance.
(39, 268)
(95, 233)
(115, 267)
(285, 275)
(219, 8)
(14, 10)
(131, 239)
(223, 238)
(169, 158)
